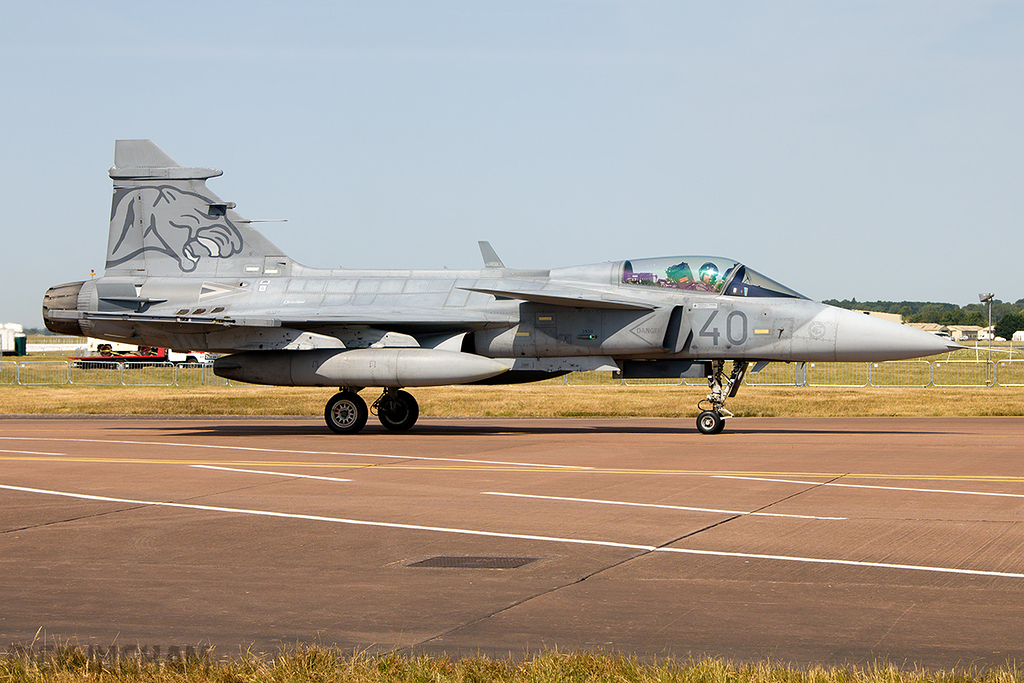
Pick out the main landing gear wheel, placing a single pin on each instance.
(710, 422)
(397, 410)
(346, 413)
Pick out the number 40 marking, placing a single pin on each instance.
(735, 328)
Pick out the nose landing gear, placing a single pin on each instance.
(713, 413)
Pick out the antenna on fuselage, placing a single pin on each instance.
(491, 259)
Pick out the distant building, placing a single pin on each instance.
(893, 317)
(934, 328)
(962, 333)
(1018, 336)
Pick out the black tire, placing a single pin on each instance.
(710, 422)
(346, 413)
(398, 413)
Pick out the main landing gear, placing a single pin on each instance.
(346, 412)
(713, 413)
(397, 410)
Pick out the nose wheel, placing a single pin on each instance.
(710, 422)
(713, 413)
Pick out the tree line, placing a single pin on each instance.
(1007, 317)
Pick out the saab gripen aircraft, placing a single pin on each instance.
(185, 271)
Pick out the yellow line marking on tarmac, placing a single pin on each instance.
(173, 444)
(474, 466)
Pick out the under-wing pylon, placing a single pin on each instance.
(185, 271)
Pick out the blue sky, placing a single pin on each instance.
(863, 149)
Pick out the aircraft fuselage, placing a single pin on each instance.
(280, 312)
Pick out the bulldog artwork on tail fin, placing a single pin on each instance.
(165, 221)
(185, 271)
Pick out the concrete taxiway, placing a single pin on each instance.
(802, 540)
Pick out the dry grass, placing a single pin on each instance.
(558, 400)
(315, 664)
(529, 400)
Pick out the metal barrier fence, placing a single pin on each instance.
(900, 373)
(101, 373)
(962, 373)
(905, 373)
(110, 373)
(776, 375)
(837, 374)
(42, 373)
(1010, 373)
(8, 372)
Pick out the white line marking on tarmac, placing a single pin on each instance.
(33, 453)
(278, 474)
(276, 450)
(655, 505)
(319, 518)
(528, 537)
(869, 486)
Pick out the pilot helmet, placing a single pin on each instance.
(709, 268)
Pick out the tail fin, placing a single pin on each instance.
(164, 221)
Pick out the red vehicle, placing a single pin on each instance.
(141, 354)
(107, 357)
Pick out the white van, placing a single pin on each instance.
(192, 357)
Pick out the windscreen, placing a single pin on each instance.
(747, 282)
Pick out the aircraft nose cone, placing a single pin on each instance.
(861, 337)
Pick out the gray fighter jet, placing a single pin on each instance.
(185, 271)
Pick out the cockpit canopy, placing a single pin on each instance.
(710, 274)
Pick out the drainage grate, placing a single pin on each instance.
(473, 562)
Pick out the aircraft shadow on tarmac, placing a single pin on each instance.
(485, 428)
